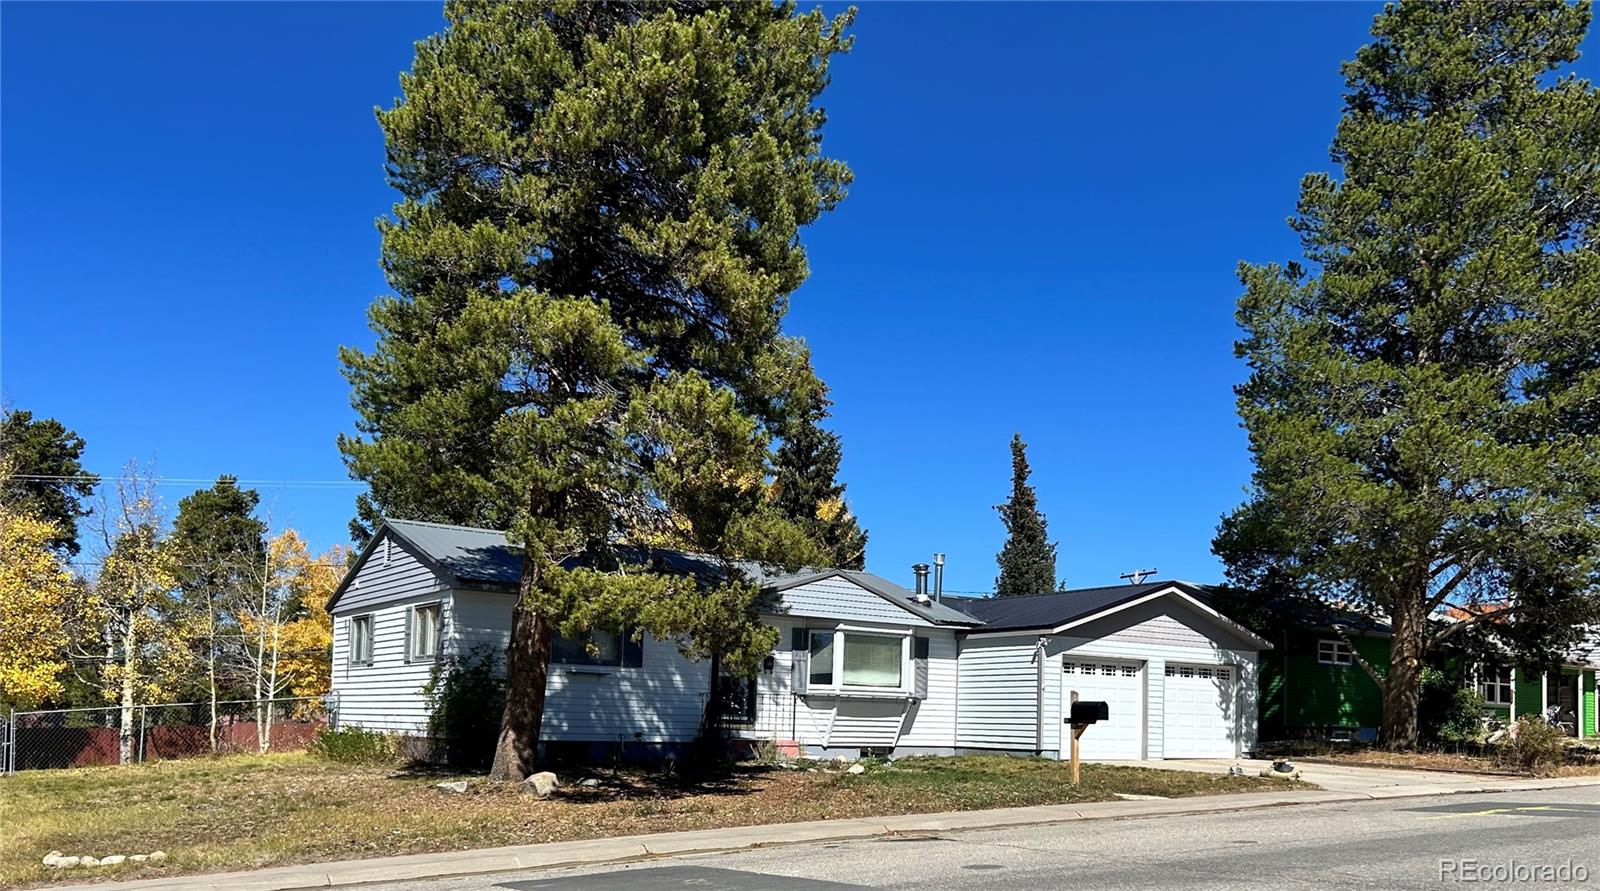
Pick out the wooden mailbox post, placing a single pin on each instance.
(1082, 715)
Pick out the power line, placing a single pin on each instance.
(186, 481)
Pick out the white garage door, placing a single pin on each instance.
(1201, 703)
(1120, 684)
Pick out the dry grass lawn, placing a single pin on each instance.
(1458, 763)
(247, 811)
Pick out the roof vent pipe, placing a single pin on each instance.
(921, 569)
(938, 577)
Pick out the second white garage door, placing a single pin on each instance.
(1201, 702)
(1119, 683)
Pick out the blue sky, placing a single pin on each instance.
(1049, 206)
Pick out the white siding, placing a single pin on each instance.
(998, 697)
(822, 721)
(662, 700)
(997, 680)
(841, 599)
(932, 722)
(386, 695)
(391, 572)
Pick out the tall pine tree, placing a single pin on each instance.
(45, 477)
(807, 490)
(1028, 559)
(1422, 402)
(596, 240)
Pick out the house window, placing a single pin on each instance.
(841, 659)
(1494, 684)
(598, 647)
(872, 661)
(424, 632)
(1334, 652)
(738, 699)
(822, 658)
(361, 640)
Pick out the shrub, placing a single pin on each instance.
(466, 697)
(1534, 747)
(353, 745)
(1450, 712)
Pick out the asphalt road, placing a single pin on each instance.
(1399, 843)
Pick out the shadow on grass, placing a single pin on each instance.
(588, 783)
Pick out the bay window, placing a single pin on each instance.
(871, 661)
(841, 659)
(822, 658)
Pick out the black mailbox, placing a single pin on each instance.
(1088, 712)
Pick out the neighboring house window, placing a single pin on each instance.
(424, 632)
(1334, 652)
(361, 640)
(851, 659)
(1494, 684)
(738, 699)
(597, 647)
(822, 658)
(871, 661)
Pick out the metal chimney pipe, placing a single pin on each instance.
(921, 569)
(938, 577)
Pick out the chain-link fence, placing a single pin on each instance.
(86, 737)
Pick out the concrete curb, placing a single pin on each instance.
(596, 852)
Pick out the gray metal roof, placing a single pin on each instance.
(1052, 609)
(469, 554)
(939, 613)
(484, 557)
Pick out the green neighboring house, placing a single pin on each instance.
(1312, 687)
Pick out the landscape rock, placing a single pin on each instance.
(88, 861)
(66, 862)
(157, 856)
(139, 858)
(51, 858)
(590, 783)
(457, 786)
(542, 784)
(856, 769)
(113, 860)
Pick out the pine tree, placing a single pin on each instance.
(46, 480)
(1421, 403)
(1028, 559)
(806, 489)
(218, 548)
(591, 258)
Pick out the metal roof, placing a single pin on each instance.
(483, 557)
(937, 612)
(1052, 609)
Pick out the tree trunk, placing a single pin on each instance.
(130, 645)
(527, 667)
(211, 667)
(272, 687)
(1402, 689)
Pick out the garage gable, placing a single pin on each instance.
(1169, 620)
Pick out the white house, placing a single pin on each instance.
(863, 664)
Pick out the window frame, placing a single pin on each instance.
(412, 656)
(625, 645)
(1332, 658)
(841, 640)
(350, 639)
(1486, 682)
